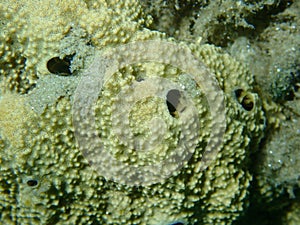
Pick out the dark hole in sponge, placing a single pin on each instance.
(60, 66)
(238, 92)
(247, 103)
(245, 99)
(172, 101)
(32, 183)
(177, 223)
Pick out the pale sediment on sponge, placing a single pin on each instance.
(50, 88)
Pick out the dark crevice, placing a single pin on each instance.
(32, 183)
(172, 101)
(60, 66)
(245, 99)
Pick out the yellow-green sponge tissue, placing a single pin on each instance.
(154, 114)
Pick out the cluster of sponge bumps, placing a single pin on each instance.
(45, 178)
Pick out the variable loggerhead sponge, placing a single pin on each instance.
(48, 178)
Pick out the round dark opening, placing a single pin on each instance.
(245, 99)
(177, 223)
(60, 66)
(32, 183)
(172, 101)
